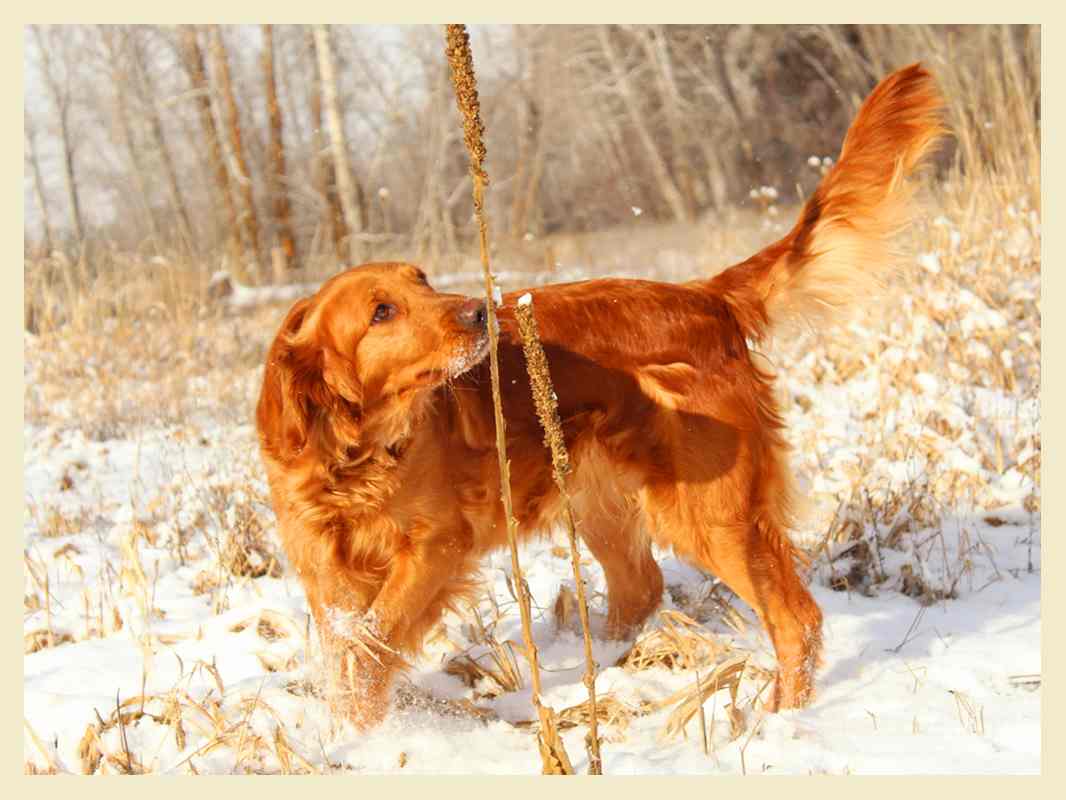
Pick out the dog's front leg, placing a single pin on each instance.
(372, 642)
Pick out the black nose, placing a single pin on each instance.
(472, 315)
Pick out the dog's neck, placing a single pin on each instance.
(362, 478)
(365, 462)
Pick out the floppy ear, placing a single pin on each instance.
(290, 388)
(340, 377)
(344, 399)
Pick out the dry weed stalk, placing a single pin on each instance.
(286, 754)
(470, 671)
(681, 644)
(971, 715)
(728, 674)
(553, 753)
(94, 756)
(49, 757)
(544, 399)
(609, 710)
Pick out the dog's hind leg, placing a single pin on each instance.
(756, 562)
(611, 528)
(739, 536)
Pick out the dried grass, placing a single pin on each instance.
(687, 702)
(611, 711)
(42, 639)
(502, 673)
(248, 553)
(117, 343)
(680, 643)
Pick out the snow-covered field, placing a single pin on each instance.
(154, 581)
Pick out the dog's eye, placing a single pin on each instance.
(383, 312)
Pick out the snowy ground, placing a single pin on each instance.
(153, 580)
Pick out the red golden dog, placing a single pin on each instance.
(376, 423)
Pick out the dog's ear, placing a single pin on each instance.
(306, 377)
(291, 387)
(340, 376)
(346, 400)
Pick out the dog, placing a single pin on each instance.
(376, 425)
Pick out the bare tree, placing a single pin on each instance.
(193, 58)
(146, 94)
(434, 231)
(57, 81)
(531, 152)
(249, 218)
(34, 161)
(276, 181)
(583, 123)
(323, 172)
(346, 186)
(628, 93)
(673, 110)
(115, 63)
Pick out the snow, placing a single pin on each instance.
(130, 528)
(242, 296)
(929, 262)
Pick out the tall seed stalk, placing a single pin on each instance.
(552, 752)
(548, 411)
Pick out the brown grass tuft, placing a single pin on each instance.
(679, 644)
(248, 552)
(41, 639)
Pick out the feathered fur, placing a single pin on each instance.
(838, 255)
(376, 423)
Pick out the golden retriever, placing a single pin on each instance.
(376, 423)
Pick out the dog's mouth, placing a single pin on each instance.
(468, 356)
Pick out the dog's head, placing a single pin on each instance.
(359, 358)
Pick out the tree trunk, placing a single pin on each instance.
(70, 181)
(38, 188)
(531, 148)
(658, 52)
(194, 65)
(667, 187)
(136, 163)
(119, 80)
(434, 233)
(61, 100)
(249, 218)
(345, 184)
(279, 191)
(323, 174)
(146, 92)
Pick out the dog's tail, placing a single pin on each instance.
(839, 253)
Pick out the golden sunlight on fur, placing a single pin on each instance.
(376, 424)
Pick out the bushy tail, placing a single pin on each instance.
(838, 254)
